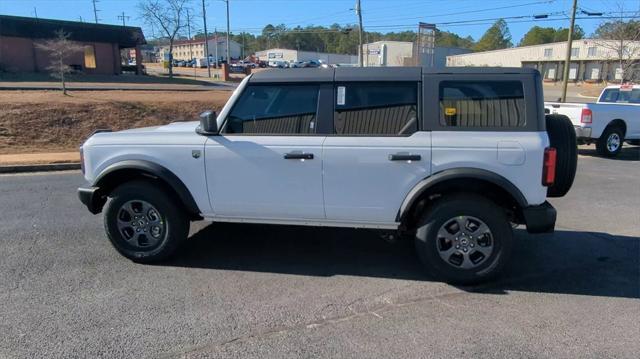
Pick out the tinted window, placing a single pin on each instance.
(283, 109)
(482, 104)
(615, 95)
(376, 108)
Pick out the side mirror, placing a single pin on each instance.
(208, 123)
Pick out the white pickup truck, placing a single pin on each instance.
(610, 121)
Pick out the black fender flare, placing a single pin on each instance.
(154, 171)
(458, 173)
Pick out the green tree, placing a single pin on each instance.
(496, 37)
(449, 39)
(543, 35)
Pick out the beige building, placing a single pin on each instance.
(401, 53)
(288, 55)
(191, 49)
(591, 60)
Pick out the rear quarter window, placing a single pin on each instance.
(490, 104)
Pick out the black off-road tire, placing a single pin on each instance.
(602, 146)
(171, 215)
(562, 137)
(453, 208)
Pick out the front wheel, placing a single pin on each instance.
(143, 223)
(610, 143)
(464, 239)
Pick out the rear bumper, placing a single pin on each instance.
(91, 197)
(583, 132)
(540, 218)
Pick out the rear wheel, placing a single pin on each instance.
(464, 239)
(143, 223)
(610, 143)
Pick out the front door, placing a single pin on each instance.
(377, 154)
(267, 161)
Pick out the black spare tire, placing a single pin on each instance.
(562, 137)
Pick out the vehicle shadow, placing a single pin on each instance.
(628, 153)
(567, 262)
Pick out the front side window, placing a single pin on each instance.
(376, 109)
(592, 51)
(482, 104)
(575, 51)
(274, 109)
(548, 52)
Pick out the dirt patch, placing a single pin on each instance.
(46, 121)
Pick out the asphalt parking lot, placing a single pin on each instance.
(253, 291)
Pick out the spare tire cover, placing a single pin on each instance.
(562, 137)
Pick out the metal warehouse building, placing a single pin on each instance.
(288, 55)
(402, 53)
(591, 60)
(101, 44)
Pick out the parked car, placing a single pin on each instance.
(297, 64)
(312, 64)
(278, 64)
(609, 122)
(450, 160)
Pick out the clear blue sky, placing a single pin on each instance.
(378, 15)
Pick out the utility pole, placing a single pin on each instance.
(123, 17)
(206, 38)
(35, 12)
(215, 30)
(567, 61)
(359, 13)
(95, 10)
(228, 33)
(190, 43)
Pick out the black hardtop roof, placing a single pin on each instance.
(374, 73)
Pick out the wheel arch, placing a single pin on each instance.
(618, 122)
(127, 170)
(455, 180)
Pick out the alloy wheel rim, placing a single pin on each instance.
(465, 242)
(140, 224)
(613, 142)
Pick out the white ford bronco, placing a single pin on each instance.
(453, 159)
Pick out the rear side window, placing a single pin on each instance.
(282, 109)
(617, 96)
(498, 104)
(376, 109)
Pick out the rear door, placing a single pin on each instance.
(376, 152)
(489, 122)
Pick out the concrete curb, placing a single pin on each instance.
(39, 168)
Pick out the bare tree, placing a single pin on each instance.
(620, 38)
(169, 16)
(60, 49)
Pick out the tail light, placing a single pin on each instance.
(549, 167)
(81, 159)
(586, 115)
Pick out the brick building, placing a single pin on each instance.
(102, 44)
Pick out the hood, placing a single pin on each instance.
(189, 126)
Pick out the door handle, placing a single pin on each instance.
(298, 156)
(404, 157)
